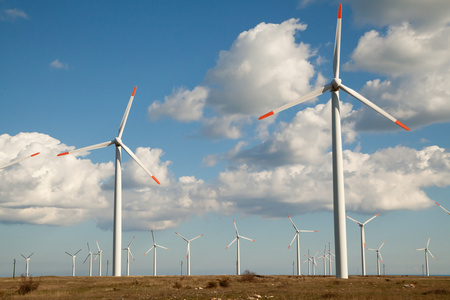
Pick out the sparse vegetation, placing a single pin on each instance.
(248, 276)
(27, 285)
(227, 287)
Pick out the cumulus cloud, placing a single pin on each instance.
(56, 64)
(13, 14)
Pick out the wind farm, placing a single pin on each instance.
(203, 83)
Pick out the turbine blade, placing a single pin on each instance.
(372, 105)
(162, 247)
(381, 246)
(93, 147)
(68, 253)
(307, 97)
(235, 227)
(295, 227)
(23, 256)
(246, 238)
(131, 241)
(337, 44)
(428, 243)
(77, 252)
(443, 208)
(307, 230)
(295, 235)
(181, 236)
(379, 253)
(357, 222)
(98, 246)
(132, 255)
(125, 116)
(86, 258)
(149, 250)
(196, 237)
(419, 249)
(89, 249)
(30, 255)
(138, 161)
(18, 160)
(431, 254)
(371, 219)
(153, 237)
(231, 243)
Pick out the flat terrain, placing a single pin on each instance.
(249, 286)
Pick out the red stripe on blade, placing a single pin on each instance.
(402, 125)
(340, 11)
(35, 154)
(266, 115)
(61, 154)
(134, 91)
(154, 178)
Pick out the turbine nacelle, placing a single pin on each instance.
(335, 84)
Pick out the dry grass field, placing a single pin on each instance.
(248, 286)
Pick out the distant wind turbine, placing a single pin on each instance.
(128, 256)
(330, 254)
(379, 257)
(427, 251)
(188, 253)
(236, 239)
(73, 261)
(443, 208)
(18, 160)
(154, 253)
(363, 242)
(27, 259)
(324, 257)
(297, 236)
(117, 239)
(99, 254)
(90, 259)
(334, 86)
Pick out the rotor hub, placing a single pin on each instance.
(336, 83)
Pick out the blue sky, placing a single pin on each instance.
(205, 71)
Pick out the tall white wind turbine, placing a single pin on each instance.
(90, 259)
(238, 261)
(117, 239)
(363, 241)
(99, 254)
(427, 251)
(128, 256)
(297, 236)
(73, 261)
(18, 160)
(27, 259)
(379, 257)
(443, 208)
(334, 86)
(188, 253)
(155, 245)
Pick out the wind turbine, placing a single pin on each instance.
(363, 241)
(330, 254)
(99, 254)
(117, 239)
(90, 259)
(73, 261)
(18, 160)
(27, 262)
(334, 86)
(238, 261)
(378, 257)
(188, 253)
(443, 208)
(128, 256)
(296, 236)
(324, 257)
(426, 256)
(155, 245)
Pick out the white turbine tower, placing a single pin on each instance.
(73, 261)
(330, 255)
(297, 236)
(324, 257)
(236, 239)
(90, 259)
(155, 245)
(117, 239)
(99, 254)
(188, 253)
(128, 256)
(363, 241)
(18, 160)
(443, 208)
(379, 257)
(334, 86)
(427, 251)
(27, 259)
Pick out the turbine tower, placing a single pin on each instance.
(297, 236)
(238, 261)
(363, 241)
(128, 256)
(427, 251)
(340, 236)
(378, 257)
(188, 253)
(18, 160)
(90, 259)
(443, 208)
(27, 259)
(73, 261)
(155, 245)
(117, 239)
(99, 254)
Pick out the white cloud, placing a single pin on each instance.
(56, 64)
(182, 105)
(13, 14)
